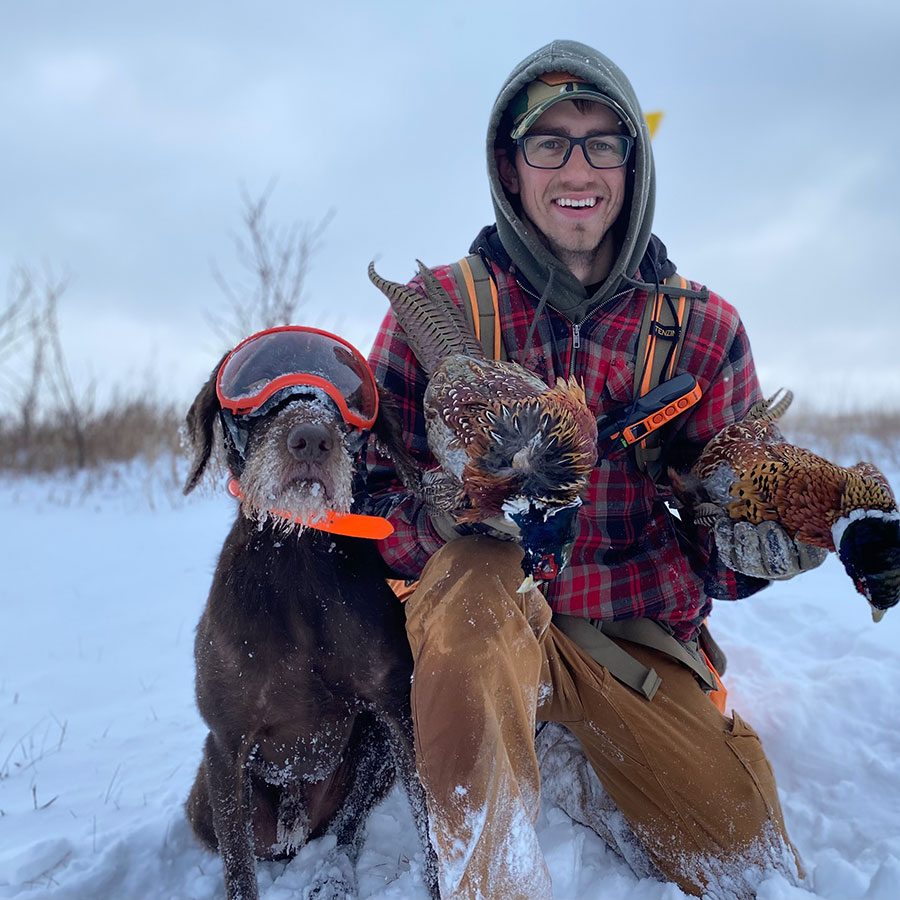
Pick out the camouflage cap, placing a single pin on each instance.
(551, 87)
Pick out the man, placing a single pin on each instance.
(572, 256)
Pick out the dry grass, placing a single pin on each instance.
(148, 431)
(846, 438)
(126, 431)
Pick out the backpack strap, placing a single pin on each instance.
(659, 345)
(482, 311)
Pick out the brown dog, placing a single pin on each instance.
(303, 667)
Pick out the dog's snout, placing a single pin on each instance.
(310, 442)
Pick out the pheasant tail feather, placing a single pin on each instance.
(435, 327)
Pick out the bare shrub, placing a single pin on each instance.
(55, 426)
(275, 262)
(21, 356)
(35, 368)
(13, 315)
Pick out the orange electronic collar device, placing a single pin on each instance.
(655, 409)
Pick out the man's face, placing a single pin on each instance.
(570, 230)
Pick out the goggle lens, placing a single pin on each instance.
(272, 360)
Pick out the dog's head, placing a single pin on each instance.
(299, 450)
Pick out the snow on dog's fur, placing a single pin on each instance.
(303, 667)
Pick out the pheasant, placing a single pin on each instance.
(751, 473)
(507, 444)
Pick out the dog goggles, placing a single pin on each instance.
(294, 356)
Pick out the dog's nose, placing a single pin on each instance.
(310, 442)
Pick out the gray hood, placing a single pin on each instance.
(527, 251)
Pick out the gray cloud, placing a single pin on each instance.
(128, 130)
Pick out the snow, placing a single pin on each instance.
(100, 737)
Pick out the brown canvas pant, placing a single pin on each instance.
(694, 786)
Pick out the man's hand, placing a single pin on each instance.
(763, 551)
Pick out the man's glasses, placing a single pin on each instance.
(552, 151)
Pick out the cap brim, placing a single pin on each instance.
(534, 114)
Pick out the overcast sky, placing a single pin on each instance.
(129, 129)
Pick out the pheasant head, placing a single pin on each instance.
(531, 465)
(540, 449)
(867, 537)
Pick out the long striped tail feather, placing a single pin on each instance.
(435, 327)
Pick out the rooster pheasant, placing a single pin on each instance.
(507, 444)
(749, 472)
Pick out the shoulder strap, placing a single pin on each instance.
(482, 311)
(659, 345)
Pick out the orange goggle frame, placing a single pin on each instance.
(293, 356)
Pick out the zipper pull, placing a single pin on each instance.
(576, 335)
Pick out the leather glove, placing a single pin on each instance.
(497, 527)
(763, 551)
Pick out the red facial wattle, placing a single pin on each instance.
(547, 569)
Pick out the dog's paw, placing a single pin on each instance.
(334, 878)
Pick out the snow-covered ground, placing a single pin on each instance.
(100, 738)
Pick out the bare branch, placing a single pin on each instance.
(275, 262)
(19, 294)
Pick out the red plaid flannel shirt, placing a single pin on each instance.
(628, 561)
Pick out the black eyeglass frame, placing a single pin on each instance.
(578, 142)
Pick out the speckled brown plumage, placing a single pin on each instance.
(750, 473)
(774, 480)
(540, 445)
(498, 431)
(495, 427)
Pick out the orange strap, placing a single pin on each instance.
(470, 291)
(374, 528)
(469, 279)
(719, 696)
(650, 352)
(401, 588)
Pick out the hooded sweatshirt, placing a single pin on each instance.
(543, 271)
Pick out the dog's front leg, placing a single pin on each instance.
(401, 738)
(229, 797)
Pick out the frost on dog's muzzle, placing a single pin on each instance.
(269, 371)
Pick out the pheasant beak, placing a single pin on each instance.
(528, 584)
(877, 614)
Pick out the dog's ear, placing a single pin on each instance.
(388, 433)
(199, 427)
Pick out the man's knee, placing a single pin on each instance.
(468, 590)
